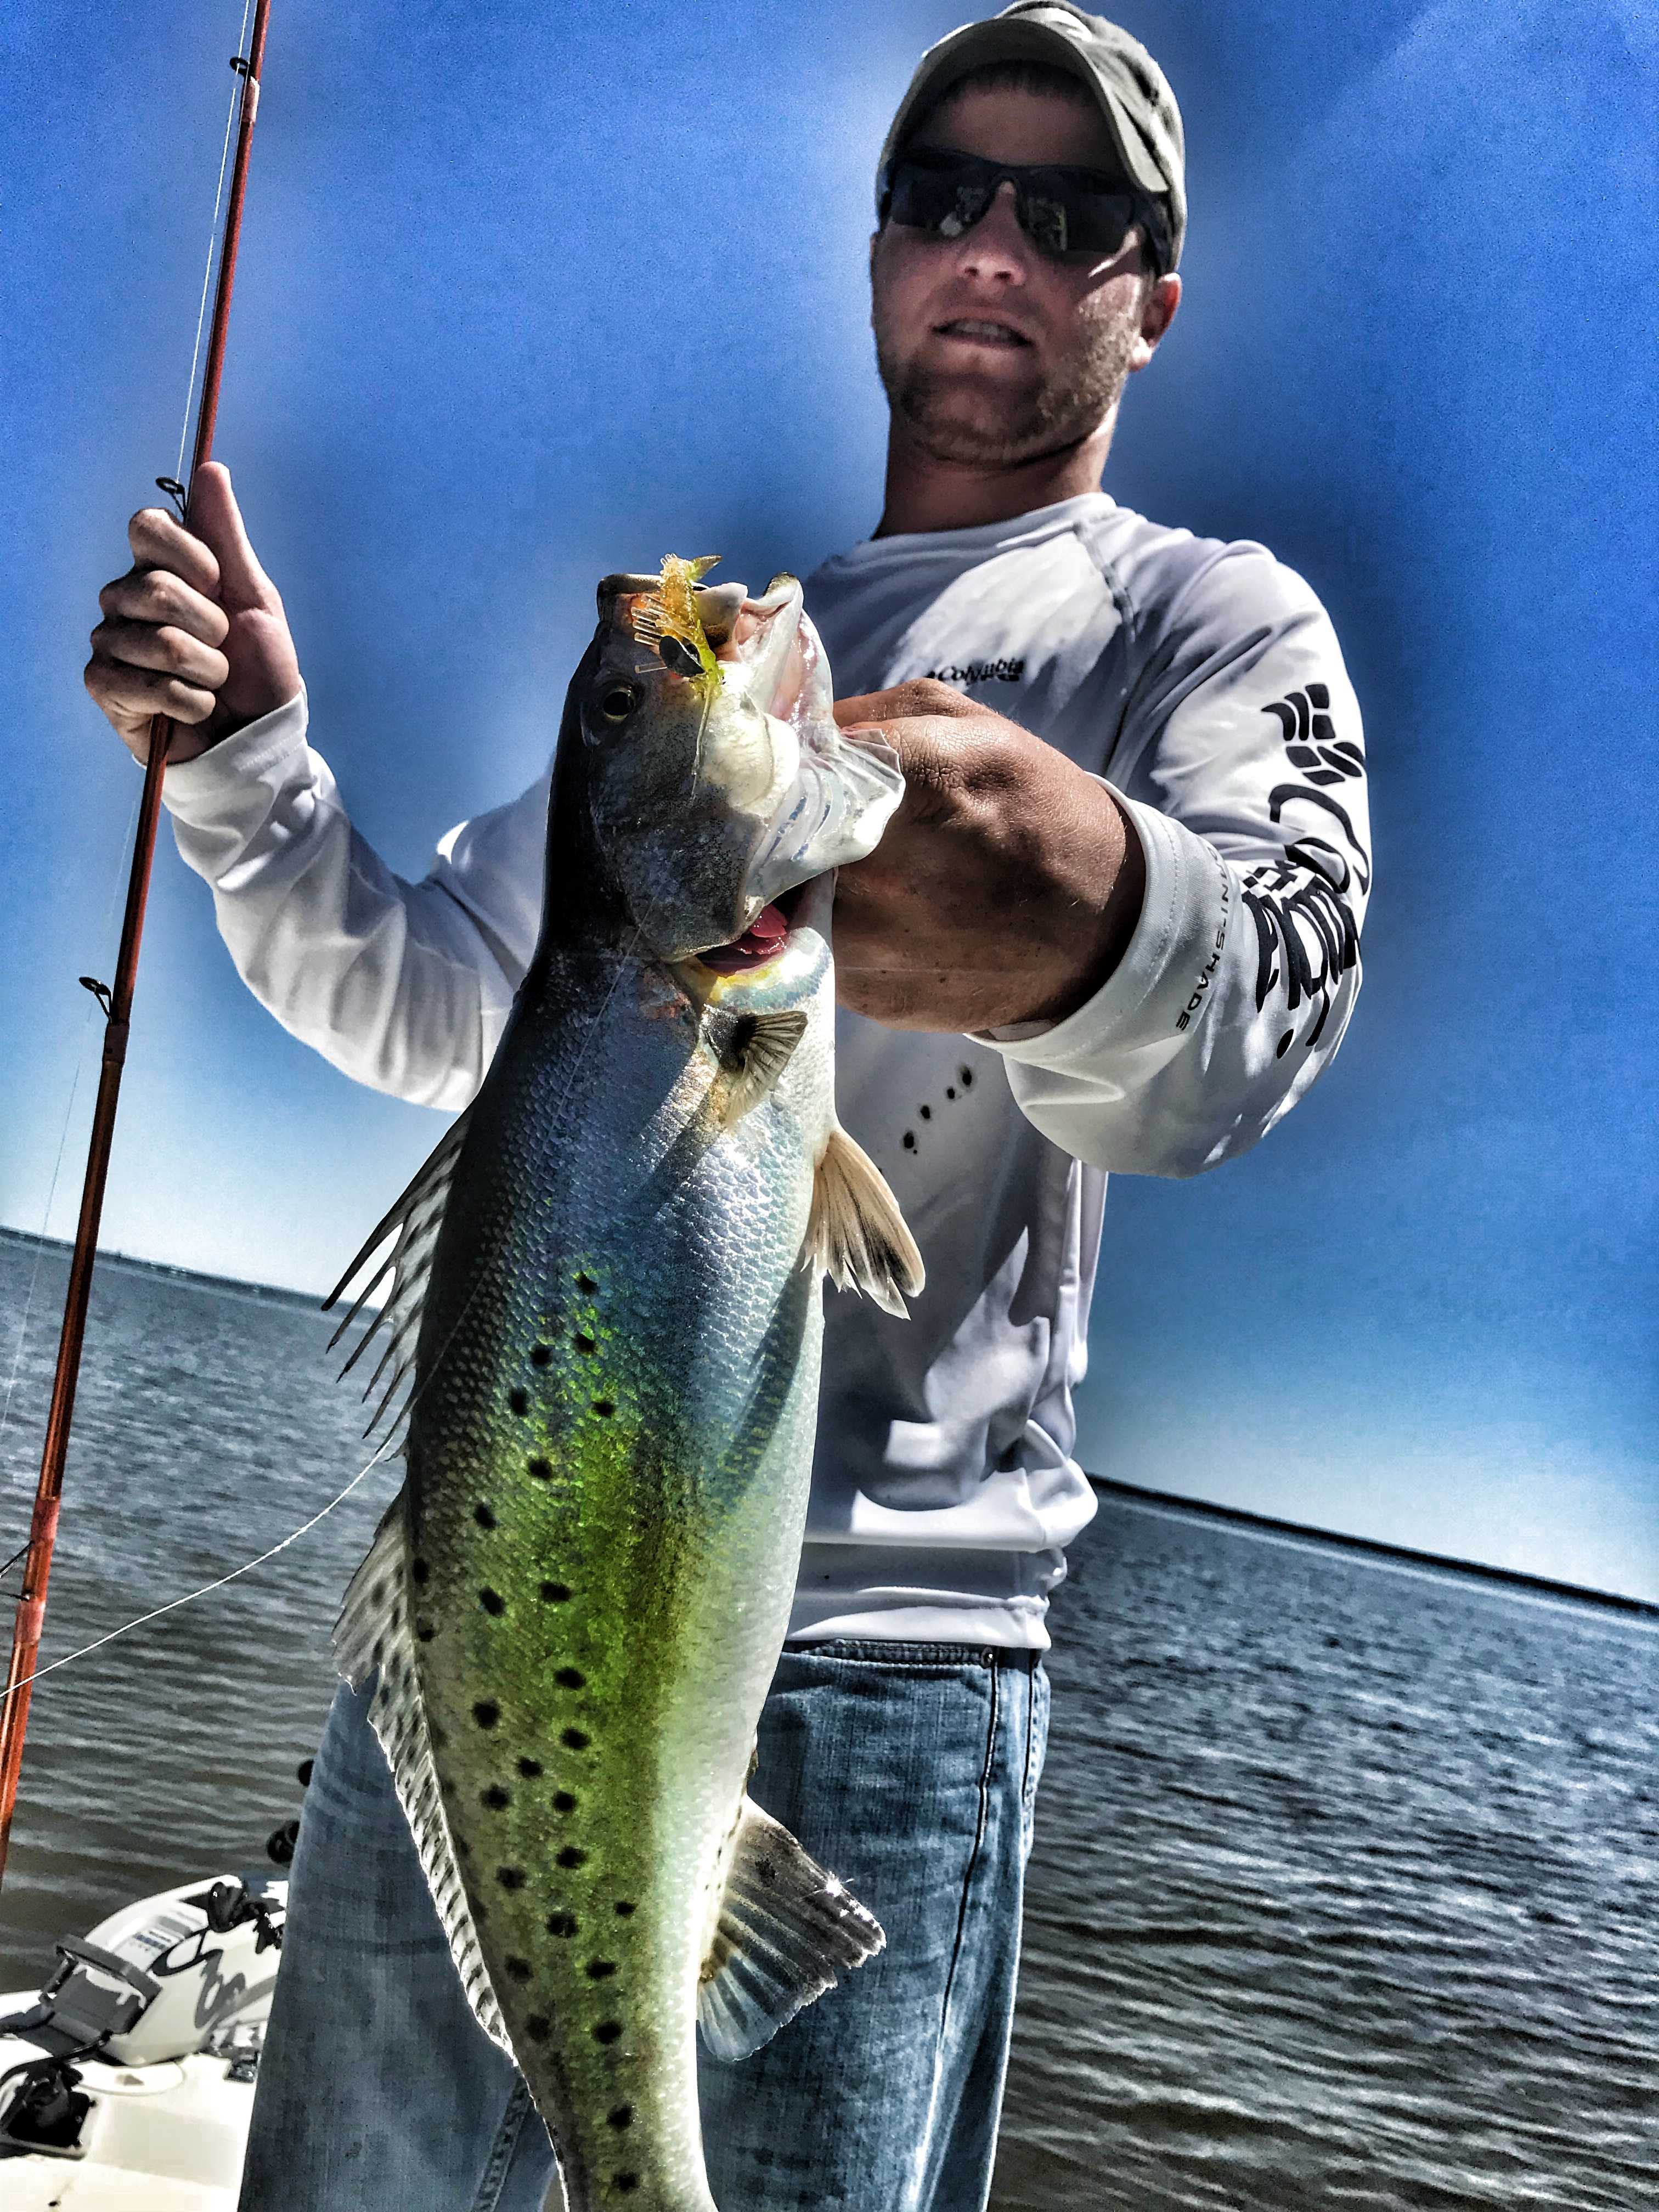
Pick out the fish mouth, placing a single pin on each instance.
(765, 940)
(774, 654)
(767, 640)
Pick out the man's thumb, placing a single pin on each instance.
(213, 517)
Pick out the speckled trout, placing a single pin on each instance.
(606, 1313)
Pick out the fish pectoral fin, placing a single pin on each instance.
(756, 1054)
(788, 1931)
(855, 1231)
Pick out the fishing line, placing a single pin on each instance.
(306, 1527)
(213, 234)
(207, 1589)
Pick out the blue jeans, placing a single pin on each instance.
(907, 1768)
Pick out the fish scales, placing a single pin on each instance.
(576, 1608)
(607, 1505)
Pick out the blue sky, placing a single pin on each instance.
(532, 292)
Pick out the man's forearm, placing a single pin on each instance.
(400, 985)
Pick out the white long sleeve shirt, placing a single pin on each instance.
(1204, 683)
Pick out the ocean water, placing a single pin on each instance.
(1345, 1890)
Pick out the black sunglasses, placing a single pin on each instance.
(1061, 210)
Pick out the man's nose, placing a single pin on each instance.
(996, 246)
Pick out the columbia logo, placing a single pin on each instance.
(1311, 740)
(977, 671)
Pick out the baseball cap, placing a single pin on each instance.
(1131, 92)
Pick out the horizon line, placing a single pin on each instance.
(1133, 1493)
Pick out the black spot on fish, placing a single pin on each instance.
(949, 1090)
(540, 1469)
(519, 1401)
(538, 2028)
(530, 1768)
(570, 1678)
(510, 1877)
(424, 1632)
(377, 1592)
(576, 1739)
(484, 1516)
(486, 1712)
(561, 1923)
(967, 1077)
(572, 1856)
(926, 1112)
(1284, 1044)
(554, 1593)
(600, 1969)
(519, 1969)
(493, 1602)
(586, 1284)
(584, 1342)
(496, 1798)
(766, 1871)
(540, 1354)
(608, 2031)
(620, 2116)
(909, 1140)
(626, 2183)
(605, 1407)
(562, 1799)
(378, 1653)
(624, 1908)
(419, 1571)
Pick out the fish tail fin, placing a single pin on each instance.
(855, 1231)
(788, 1931)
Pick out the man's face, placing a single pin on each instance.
(991, 352)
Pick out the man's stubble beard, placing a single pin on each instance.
(1001, 428)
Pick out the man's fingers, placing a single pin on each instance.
(924, 694)
(215, 515)
(155, 595)
(131, 696)
(172, 652)
(159, 541)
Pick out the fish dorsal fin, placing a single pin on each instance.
(415, 1221)
(759, 1048)
(374, 1632)
(788, 1931)
(855, 1231)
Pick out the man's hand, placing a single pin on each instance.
(1004, 890)
(194, 630)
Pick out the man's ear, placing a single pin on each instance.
(1157, 312)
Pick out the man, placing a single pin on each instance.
(1113, 926)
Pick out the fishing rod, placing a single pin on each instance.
(117, 1002)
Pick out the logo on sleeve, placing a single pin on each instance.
(1307, 938)
(1005, 670)
(1311, 740)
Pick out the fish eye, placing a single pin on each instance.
(618, 701)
